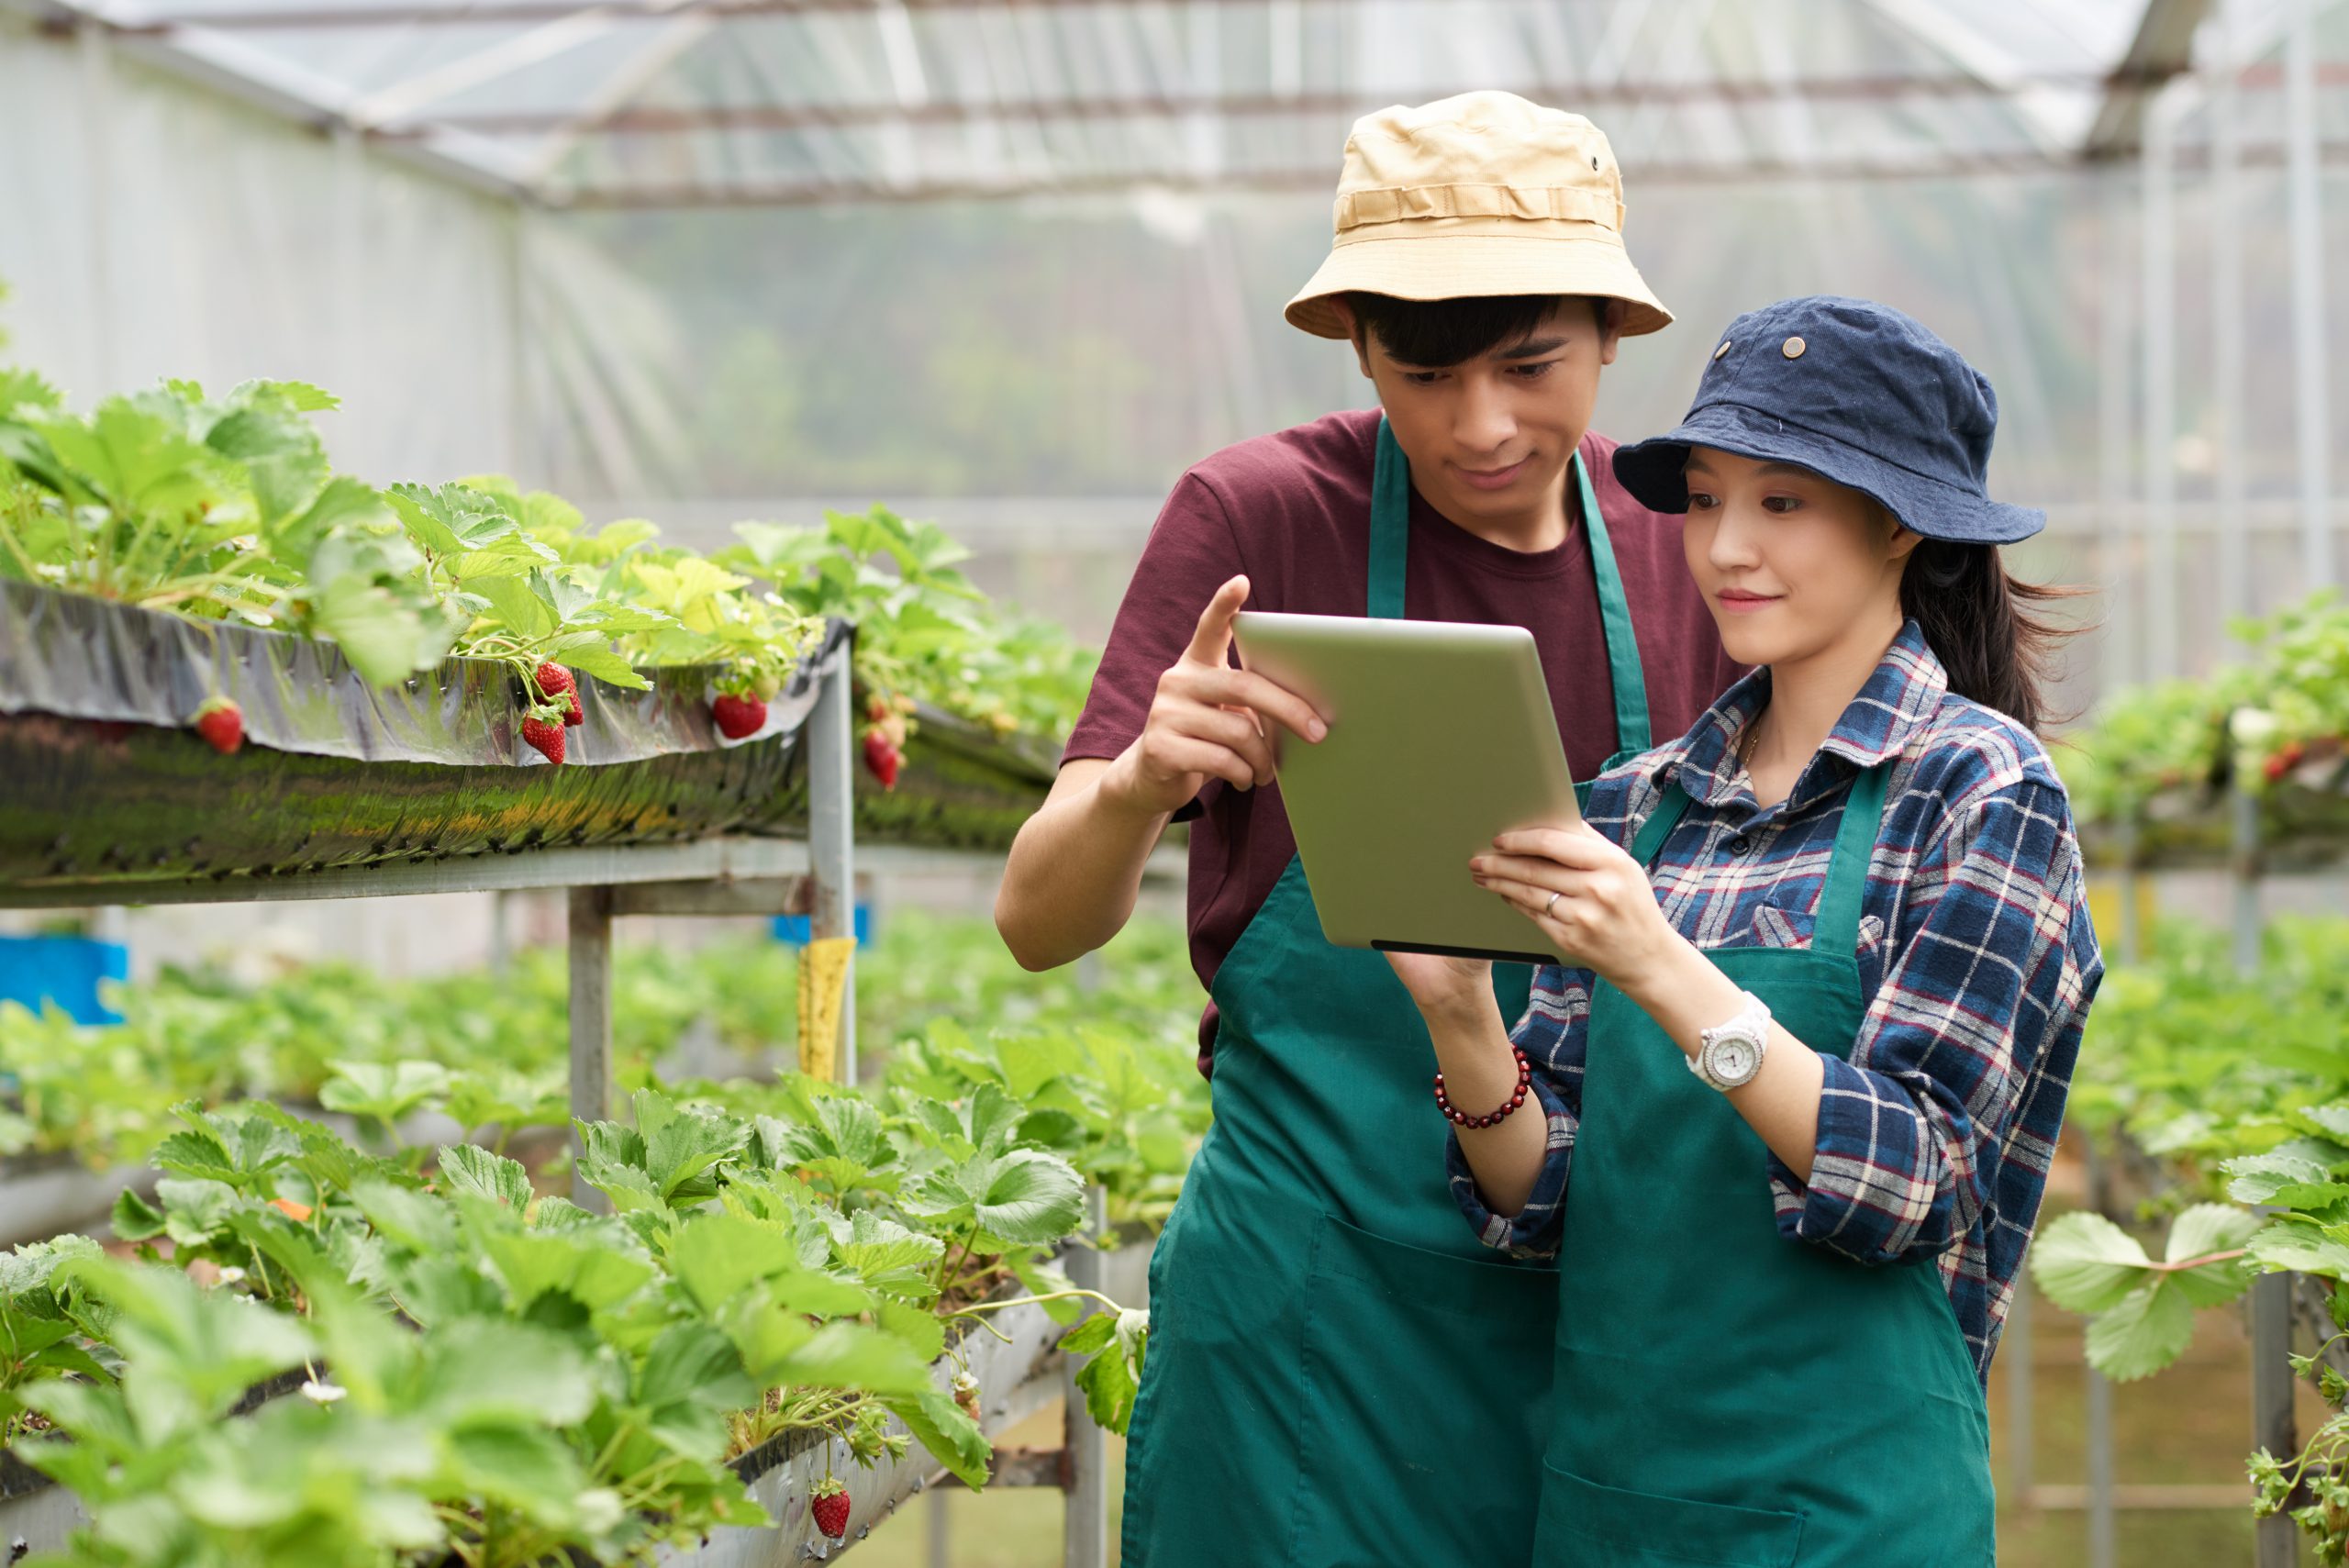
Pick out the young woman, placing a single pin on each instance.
(1801, 1078)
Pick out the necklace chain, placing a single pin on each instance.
(1745, 743)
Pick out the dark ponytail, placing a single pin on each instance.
(1988, 629)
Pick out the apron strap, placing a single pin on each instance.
(1660, 823)
(1390, 525)
(1631, 733)
(1836, 928)
(1390, 538)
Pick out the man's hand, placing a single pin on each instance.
(1209, 720)
(1442, 984)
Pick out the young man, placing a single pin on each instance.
(1304, 1399)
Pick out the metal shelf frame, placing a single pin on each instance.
(718, 877)
(2276, 1305)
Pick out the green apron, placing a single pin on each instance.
(1339, 1375)
(1738, 1398)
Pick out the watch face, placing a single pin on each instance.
(1733, 1060)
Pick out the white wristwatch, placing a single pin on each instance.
(1729, 1055)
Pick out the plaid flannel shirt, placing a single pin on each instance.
(1935, 1136)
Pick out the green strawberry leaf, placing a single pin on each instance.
(2259, 1178)
(2145, 1332)
(467, 1169)
(2086, 1263)
(951, 1437)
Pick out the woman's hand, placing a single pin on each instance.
(1440, 985)
(1603, 915)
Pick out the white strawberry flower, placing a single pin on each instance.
(318, 1393)
(2253, 726)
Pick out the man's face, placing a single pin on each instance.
(1489, 439)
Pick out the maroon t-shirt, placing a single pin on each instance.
(1292, 510)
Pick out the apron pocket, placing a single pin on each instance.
(1584, 1525)
(1425, 1406)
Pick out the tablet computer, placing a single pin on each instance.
(1441, 736)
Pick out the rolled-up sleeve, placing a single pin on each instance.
(1986, 987)
(1552, 1035)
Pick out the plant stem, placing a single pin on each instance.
(2184, 1264)
(947, 1274)
(1070, 1294)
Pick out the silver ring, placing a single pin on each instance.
(1549, 908)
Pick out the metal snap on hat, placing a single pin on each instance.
(1856, 392)
(1477, 195)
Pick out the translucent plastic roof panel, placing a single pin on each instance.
(682, 103)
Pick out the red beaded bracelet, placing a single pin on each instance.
(1516, 1099)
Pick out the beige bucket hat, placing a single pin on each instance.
(1484, 193)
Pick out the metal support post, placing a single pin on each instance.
(2227, 318)
(1084, 1544)
(2275, 1541)
(831, 836)
(2102, 1543)
(2116, 542)
(2129, 944)
(2243, 829)
(100, 182)
(2311, 352)
(501, 932)
(2158, 256)
(591, 1026)
(2098, 1437)
(2014, 1347)
(941, 1538)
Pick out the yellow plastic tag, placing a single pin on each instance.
(823, 985)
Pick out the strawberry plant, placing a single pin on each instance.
(923, 630)
(104, 1093)
(505, 1377)
(214, 508)
(227, 508)
(2275, 718)
(2235, 1087)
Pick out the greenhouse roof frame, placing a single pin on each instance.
(643, 103)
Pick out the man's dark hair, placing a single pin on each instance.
(1439, 332)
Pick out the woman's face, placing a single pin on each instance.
(1794, 565)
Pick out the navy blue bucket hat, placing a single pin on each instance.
(1854, 391)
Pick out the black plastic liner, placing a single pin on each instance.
(102, 779)
(963, 785)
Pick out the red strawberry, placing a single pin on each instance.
(222, 723)
(738, 716)
(831, 1506)
(882, 758)
(546, 736)
(556, 682)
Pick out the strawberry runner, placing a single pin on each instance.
(1341, 1375)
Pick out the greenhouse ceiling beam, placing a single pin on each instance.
(1313, 178)
(644, 119)
(260, 81)
(1975, 52)
(780, 194)
(677, 37)
(379, 12)
(655, 121)
(2163, 50)
(403, 99)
